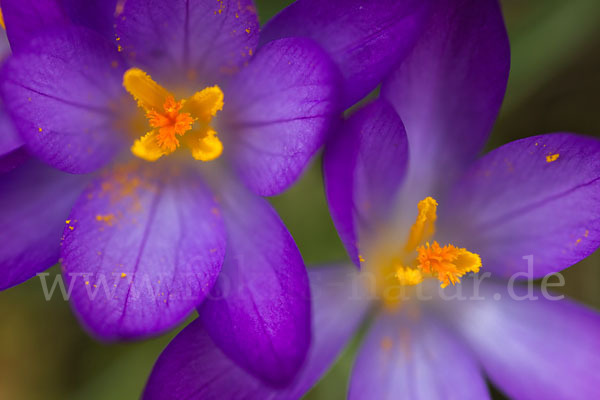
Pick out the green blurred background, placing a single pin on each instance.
(554, 86)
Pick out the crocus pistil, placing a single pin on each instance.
(420, 259)
(171, 120)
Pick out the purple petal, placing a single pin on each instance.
(203, 40)
(278, 111)
(534, 349)
(537, 197)
(366, 39)
(9, 138)
(12, 152)
(4, 46)
(449, 89)
(62, 93)
(34, 204)
(193, 367)
(414, 357)
(363, 167)
(143, 247)
(259, 310)
(98, 15)
(26, 19)
(13, 159)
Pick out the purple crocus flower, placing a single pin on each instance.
(157, 201)
(438, 325)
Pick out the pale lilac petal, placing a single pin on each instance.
(277, 112)
(449, 89)
(536, 197)
(259, 310)
(363, 168)
(192, 366)
(533, 349)
(142, 247)
(366, 39)
(414, 357)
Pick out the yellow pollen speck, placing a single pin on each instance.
(247, 30)
(71, 228)
(361, 258)
(123, 274)
(119, 7)
(175, 122)
(2, 20)
(87, 282)
(40, 129)
(586, 233)
(552, 157)
(108, 219)
(119, 48)
(68, 221)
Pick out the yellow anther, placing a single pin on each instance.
(205, 145)
(205, 104)
(171, 120)
(2, 20)
(149, 94)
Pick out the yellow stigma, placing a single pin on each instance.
(173, 122)
(448, 263)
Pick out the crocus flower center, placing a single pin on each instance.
(421, 258)
(174, 122)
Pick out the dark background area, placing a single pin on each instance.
(554, 86)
